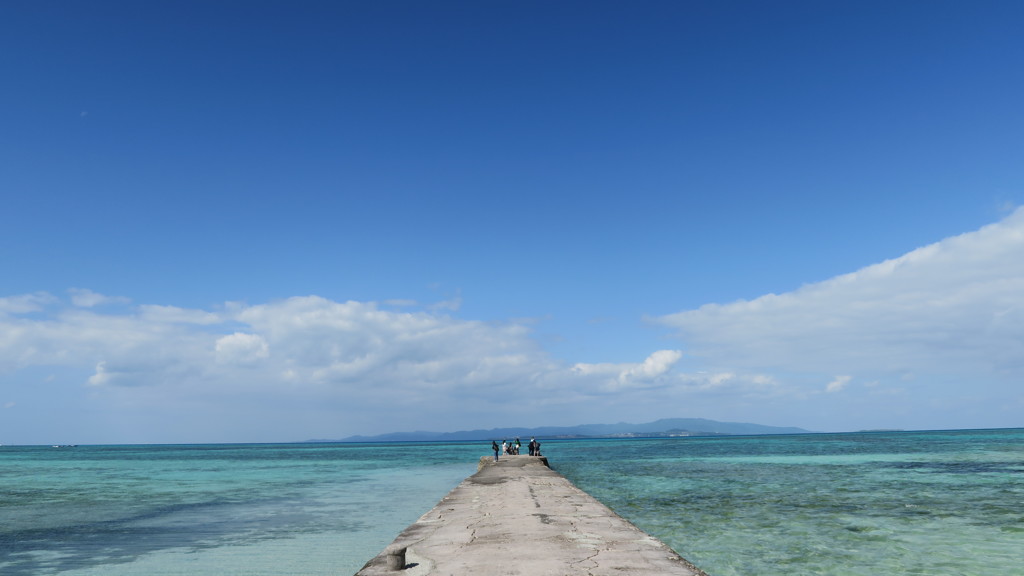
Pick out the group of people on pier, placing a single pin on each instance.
(512, 448)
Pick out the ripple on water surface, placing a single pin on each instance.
(906, 503)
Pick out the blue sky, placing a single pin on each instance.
(270, 221)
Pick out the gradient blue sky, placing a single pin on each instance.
(272, 221)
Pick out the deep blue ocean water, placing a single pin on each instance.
(949, 503)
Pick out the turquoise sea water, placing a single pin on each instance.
(211, 510)
(948, 503)
(935, 503)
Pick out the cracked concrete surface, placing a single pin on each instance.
(519, 517)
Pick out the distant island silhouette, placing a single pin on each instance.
(664, 428)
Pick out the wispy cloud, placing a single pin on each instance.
(838, 384)
(352, 357)
(912, 341)
(948, 316)
(616, 377)
(85, 298)
(955, 305)
(25, 303)
(239, 348)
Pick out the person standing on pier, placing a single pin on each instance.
(494, 446)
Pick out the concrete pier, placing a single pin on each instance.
(519, 517)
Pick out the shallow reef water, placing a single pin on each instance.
(947, 502)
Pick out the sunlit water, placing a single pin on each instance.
(949, 503)
(305, 509)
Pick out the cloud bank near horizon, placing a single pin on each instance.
(360, 366)
(933, 338)
(955, 307)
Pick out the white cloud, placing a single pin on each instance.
(423, 367)
(239, 348)
(614, 377)
(657, 364)
(25, 303)
(343, 345)
(954, 306)
(101, 377)
(939, 327)
(838, 384)
(353, 356)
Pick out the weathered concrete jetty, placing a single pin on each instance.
(517, 516)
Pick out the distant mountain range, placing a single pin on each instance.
(665, 428)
